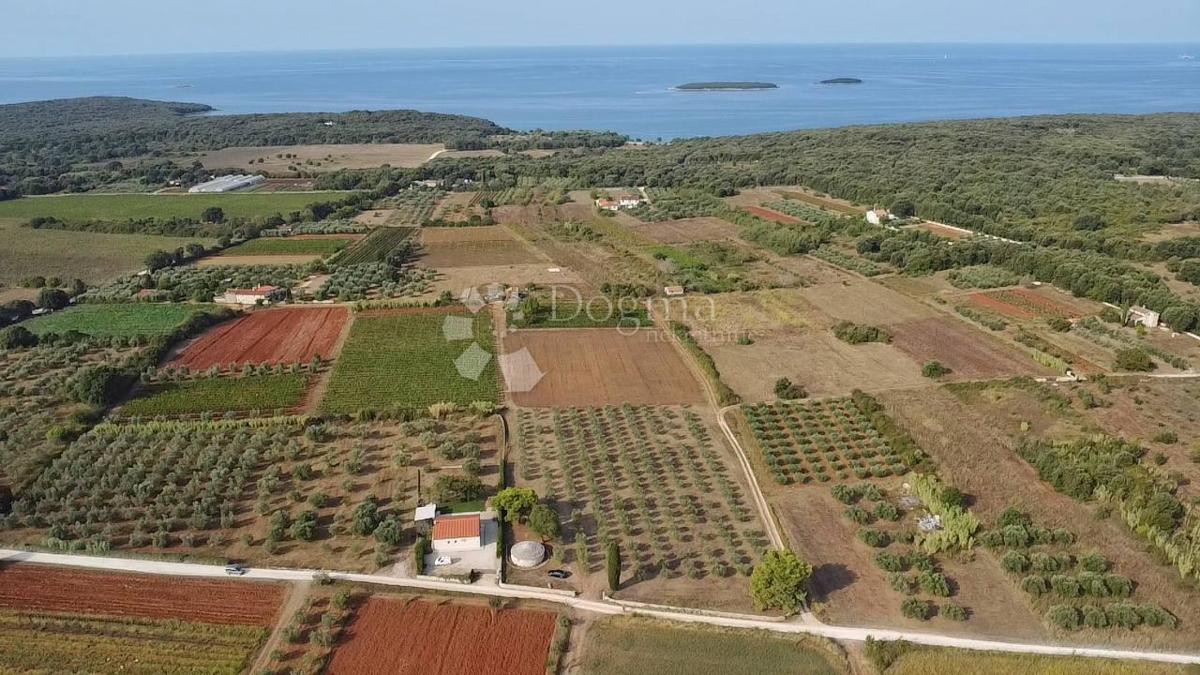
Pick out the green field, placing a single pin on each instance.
(116, 319)
(122, 207)
(377, 245)
(406, 361)
(76, 644)
(220, 394)
(288, 246)
(922, 661)
(628, 647)
(93, 257)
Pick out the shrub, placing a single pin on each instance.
(934, 369)
(1133, 359)
(884, 653)
(954, 612)
(1015, 562)
(1094, 562)
(934, 583)
(886, 511)
(780, 581)
(890, 562)
(1166, 438)
(1065, 617)
(858, 515)
(612, 561)
(787, 390)
(916, 609)
(855, 334)
(1094, 617)
(874, 538)
(1035, 585)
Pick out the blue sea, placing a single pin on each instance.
(630, 89)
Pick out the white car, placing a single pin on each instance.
(442, 561)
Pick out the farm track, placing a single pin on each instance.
(710, 394)
(855, 634)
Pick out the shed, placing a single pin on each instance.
(1143, 316)
(424, 513)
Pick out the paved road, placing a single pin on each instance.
(594, 606)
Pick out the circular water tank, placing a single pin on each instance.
(527, 554)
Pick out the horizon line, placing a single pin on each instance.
(849, 43)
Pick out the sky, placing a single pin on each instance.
(101, 27)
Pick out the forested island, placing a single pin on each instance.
(726, 86)
(842, 80)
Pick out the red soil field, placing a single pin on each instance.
(775, 216)
(32, 588)
(270, 336)
(397, 637)
(987, 302)
(968, 352)
(1022, 303)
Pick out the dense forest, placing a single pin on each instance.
(43, 144)
(1023, 178)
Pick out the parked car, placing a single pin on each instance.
(442, 561)
(558, 574)
(235, 570)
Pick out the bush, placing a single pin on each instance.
(853, 333)
(884, 653)
(1134, 359)
(612, 561)
(934, 583)
(1065, 617)
(1094, 562)
(1015, 562)
(787, 390)
(874, 538)
(916, 609)
(934, 369)
(16, 337)
(780, 581)
(890, 562)
(954, 612)
(1059, 324)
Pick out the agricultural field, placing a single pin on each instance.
(123, 207)
(37, 405)
(403, 358)
(120, 320)
(463, 207)
(974, 432)
(199, 283)
(843, 492)
(687, 230)
(819, 441)
(410, 207)
(287, 336)
(376, 246)
(266, 393)
(370, 281)
(473, 247)
(93, 257)
(773, 215)
(315, 246)
(406, 637)
(284, 491)
(1024, 303)
(74, 620)
(966, 351)
(656, 480)
(596, 366)
(627, 646)
(290, 159)
(916, 660)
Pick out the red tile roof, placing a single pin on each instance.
(456, 527)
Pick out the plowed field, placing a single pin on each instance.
(773, 216)
(599, 366)
(29, 588)
(272, 336)
(395, 637)
(968, 352)
(1021, 303)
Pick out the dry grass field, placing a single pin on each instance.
(252, 260)
(687, 230)
(968, 352)
(597, 366)
(972, 434)
(320, 157)
(90, 256)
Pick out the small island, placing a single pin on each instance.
(726, 86)
(842, 80)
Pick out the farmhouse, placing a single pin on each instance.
(1142, 316)
(457, 533)
(227, 184)
(250, 296)
(625, 201)
(879, 216)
